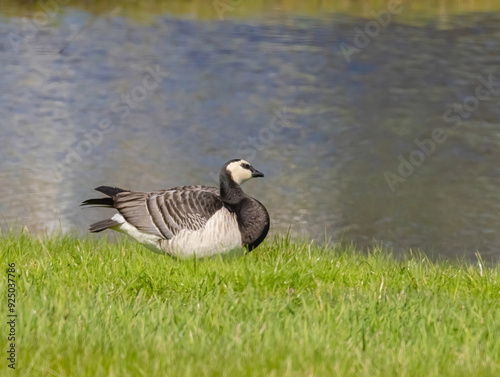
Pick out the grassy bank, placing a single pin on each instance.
(87, 307)
(248, 9)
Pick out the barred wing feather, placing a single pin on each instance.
(165, 213)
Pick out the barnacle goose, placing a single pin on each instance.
(189, 220)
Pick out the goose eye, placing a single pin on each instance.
(246, 166)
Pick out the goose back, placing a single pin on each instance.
(166, 213)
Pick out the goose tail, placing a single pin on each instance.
(104, 202)
(102, 225)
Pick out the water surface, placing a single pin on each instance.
(272, 87)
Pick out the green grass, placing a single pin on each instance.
(88, 307)
(146, 11)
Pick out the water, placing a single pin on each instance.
(274, 88)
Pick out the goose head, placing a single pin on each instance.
(239, 171)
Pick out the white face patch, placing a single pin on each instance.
(239, 173)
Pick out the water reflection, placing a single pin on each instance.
(275, 90)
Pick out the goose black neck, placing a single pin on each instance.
(230, 191)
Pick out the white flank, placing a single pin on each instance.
(220, 234)
(148, 240)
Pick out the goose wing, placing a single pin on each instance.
(165, 213)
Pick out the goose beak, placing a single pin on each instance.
(256, 173)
